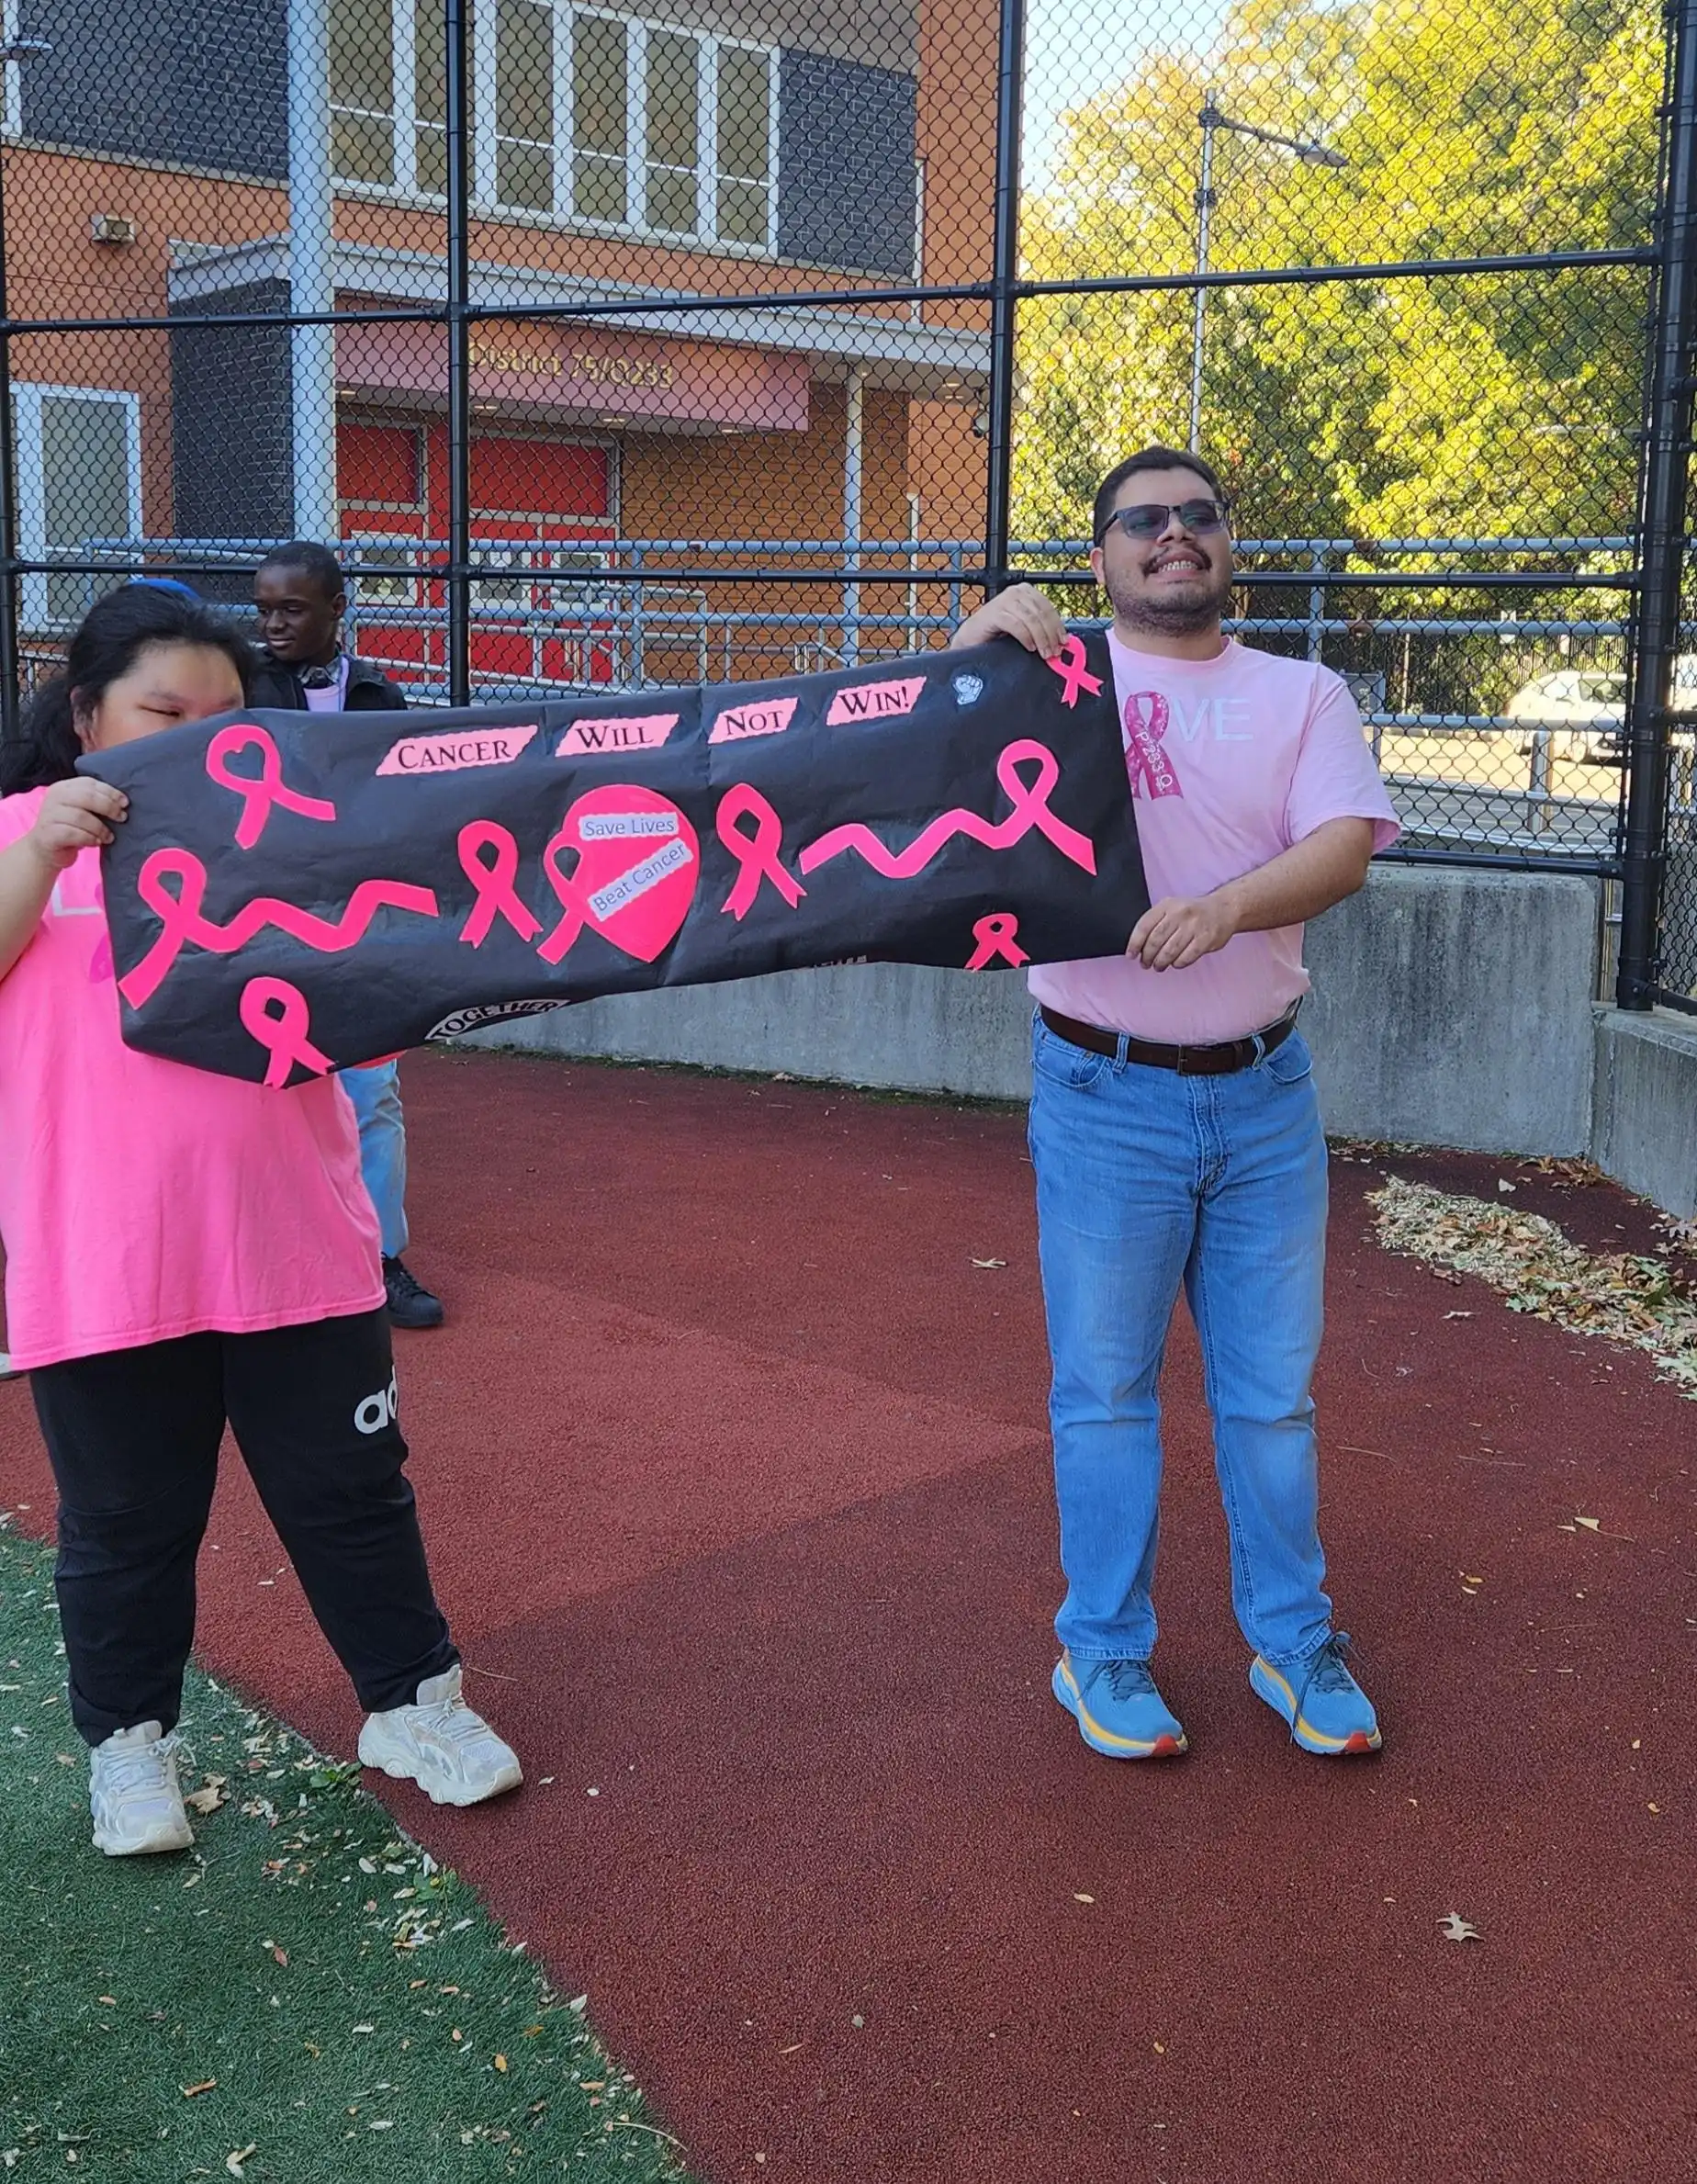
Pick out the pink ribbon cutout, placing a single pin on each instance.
(181, 922)
(258, 796)
(1144, 746)
(758, 854)
(998, 941)
(564, 935)
(284, 1033)
(497, 894)
(1030, 809)
(1069, 664)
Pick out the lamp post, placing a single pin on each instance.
(1210, 121)
(11, 663)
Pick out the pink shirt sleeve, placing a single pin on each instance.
(17, 815)
(1336, 775)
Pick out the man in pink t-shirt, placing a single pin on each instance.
(1175, 1128)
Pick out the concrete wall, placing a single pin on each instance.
(1451, 1008)
(1647, 1105)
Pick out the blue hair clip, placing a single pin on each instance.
(168, 584)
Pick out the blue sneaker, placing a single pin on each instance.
(1327, 1709)
(1118, 1709)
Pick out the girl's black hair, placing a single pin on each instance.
(113, 635)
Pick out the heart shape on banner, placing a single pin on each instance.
(636, 866)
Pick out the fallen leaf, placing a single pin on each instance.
(1458, 1315)
(280, 1955)
(205, 2086)
(1508, 1187)
(233, 2162)
(111, 2001)
(1077, 1898)
(1591, 1523)
(989, 1262)
(1455, 1927)
(500, 2063)
(209, 1796)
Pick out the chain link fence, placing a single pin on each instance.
(614, 346)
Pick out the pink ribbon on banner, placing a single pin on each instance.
(258, 796)
(565, 934)
(284, 1033)
(181, 921)
(998, 941)
(497, 893)
(1145, 746)
(1069, 664)
(758, 854)
(1030, 809)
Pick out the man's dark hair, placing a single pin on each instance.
(307, 554)
(1148, 458)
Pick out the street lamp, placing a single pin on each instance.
(1210, 121)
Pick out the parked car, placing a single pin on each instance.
(1585, 711)
(1583, 708)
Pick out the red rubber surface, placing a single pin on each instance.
(735, 1472)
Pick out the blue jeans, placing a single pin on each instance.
(1147, 1181)
(376, 1094)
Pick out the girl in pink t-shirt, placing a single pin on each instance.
(185, 1252)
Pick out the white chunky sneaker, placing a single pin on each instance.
(439, 1743)
(133, 1794)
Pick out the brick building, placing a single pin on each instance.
(713, 148)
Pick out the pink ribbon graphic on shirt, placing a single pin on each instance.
(181, 922)
(1145, 746)
(1069, 664)
(1030, 809)
(756, 854)
(497, 894)
(998, 941)
(258, 796)
(284, 1033)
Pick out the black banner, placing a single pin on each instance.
(298, 892)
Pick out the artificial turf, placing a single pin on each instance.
(306, 1998)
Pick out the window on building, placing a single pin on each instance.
(79, 488)
(576, 114)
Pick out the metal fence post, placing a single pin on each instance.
(1661, 527)
(1004, 272)
(459, 173)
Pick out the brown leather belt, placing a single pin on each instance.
(1188, 1061)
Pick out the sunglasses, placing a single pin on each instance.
(1149, 519)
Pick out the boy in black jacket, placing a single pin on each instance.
(301, 597)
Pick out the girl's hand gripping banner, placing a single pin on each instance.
(295, 893)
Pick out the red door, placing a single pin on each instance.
(541, 505)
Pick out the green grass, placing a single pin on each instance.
(350, 2010)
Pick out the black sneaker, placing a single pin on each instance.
(411, 1304)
